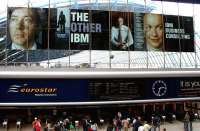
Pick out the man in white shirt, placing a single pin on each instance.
(141, 128)
(121, 37)
(23, 28)
(147, 127)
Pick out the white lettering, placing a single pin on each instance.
(79, 38)
(76, 16)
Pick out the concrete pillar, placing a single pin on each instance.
(29, 114)
(154, 107)
(144, 106)
(163, 107)
(198, 107)
(174, 107)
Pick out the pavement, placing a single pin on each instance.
(175, 126)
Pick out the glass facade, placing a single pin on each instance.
(58, 48)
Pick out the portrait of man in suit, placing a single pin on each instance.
(121, 36)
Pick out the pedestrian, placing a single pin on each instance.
(94, 126)
(156, 122)
(147, 127)
(138, 123)
(191, 114)
(110, 126)
(141, 128)
(115, 128)
(71, 126)
(85, 124)
(186, 121)
(36, 124)
(125, 124)
(119, 124)
(46, 128)
(133, 124)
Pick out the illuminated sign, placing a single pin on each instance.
(37, 91)
(43, 90)
(77, 90)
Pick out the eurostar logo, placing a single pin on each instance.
(37, 91)
(15, 88)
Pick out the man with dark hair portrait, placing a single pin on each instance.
(121, 37)
(153, 30)
(23, 28)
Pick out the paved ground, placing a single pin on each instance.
(176, 126)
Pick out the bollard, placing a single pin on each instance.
(196, 116)
(76, 125)
(164, 118)
(5, 124)
(18, 125)
(62, 128)
(101, 123)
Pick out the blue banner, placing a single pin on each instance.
(77, 90)
(43, 90)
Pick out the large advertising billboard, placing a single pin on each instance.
(75, 29)
(39, 34)
(86, 90)
(131, 31)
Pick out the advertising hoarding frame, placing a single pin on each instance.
(13, 73)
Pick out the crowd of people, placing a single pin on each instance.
(111, 122)
(117, 123)
(137, 123)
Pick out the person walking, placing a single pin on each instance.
(186, 121)
(36, 124)
(125, 124)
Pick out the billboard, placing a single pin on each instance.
(131, 31)
(34, 29)
(75, 29)
(37, 34)
(86, 90)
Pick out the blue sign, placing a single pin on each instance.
(43, 90)
(77, 90)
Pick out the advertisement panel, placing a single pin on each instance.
(179, 34)
(86, 90)
(34, 29)
(153, 32)
(100, 37)
(43, 90)
(98, 30)
(81, 27)
(121, 31)
(42, 31)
